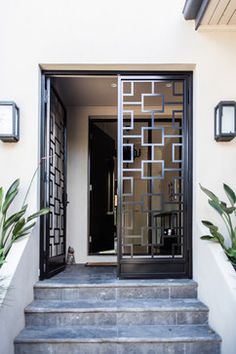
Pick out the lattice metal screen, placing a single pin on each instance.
(151, 134)
(56, 178)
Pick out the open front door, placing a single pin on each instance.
(53, 184)
(154, 176)
(102, 152)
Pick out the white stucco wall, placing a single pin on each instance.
(120, 32)
(17, 276)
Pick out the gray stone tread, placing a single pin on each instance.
(55, 306)
(118, 334)
(72, 282)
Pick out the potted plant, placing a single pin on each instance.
(17, 225)
(227, 213)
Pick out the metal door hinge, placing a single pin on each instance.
(90, 187)
(90, 239)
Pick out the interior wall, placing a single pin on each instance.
(78, 179)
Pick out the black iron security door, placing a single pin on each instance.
(154, 176)
(53, 188)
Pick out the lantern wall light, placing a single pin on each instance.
(9, 122)
(225, 121)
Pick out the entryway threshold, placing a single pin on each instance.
(80, 276)
(101, 264)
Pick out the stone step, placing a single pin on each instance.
(118, 340)
(122, 312)
(107, 289)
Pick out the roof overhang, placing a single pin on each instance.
(211, 14)
(195, 10)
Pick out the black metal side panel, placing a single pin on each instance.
(155, 176)
(53, 184)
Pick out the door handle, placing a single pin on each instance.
(66, 202)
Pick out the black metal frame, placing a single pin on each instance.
(188, 136)
(159, 267)
(45, 270)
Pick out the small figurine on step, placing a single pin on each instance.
(70, 256)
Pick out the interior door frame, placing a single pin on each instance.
(95, 119)
(187, 75)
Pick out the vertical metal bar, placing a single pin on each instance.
(189, 161)
(89, 197)
(47, 164)
(119, 174)
(42, 177)
(185, 163)
(65, 182)
(150, 230)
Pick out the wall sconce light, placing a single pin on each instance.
(225, 121)
(9, 122)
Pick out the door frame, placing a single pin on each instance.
(188, 103)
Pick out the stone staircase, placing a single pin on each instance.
(104, 315)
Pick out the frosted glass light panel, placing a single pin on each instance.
(228, 119)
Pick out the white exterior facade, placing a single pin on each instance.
(119, 35)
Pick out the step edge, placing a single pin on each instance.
(116, 309)
(113, 285)
(211, 339)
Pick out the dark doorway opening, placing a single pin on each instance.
(103, 186)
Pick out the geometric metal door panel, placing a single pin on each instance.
(56, 178)
(55, 185)
(154, 177)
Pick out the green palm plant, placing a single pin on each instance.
(17, 225)
(227, 213)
